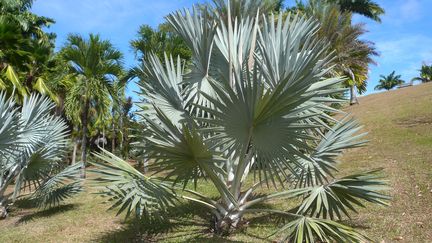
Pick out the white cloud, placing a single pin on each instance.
(405, 48)
(405, 55)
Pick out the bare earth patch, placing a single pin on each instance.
(415, 121)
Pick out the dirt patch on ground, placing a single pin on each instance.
(414, 121)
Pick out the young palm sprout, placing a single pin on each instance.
(254, 101)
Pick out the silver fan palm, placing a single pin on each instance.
(255, 100)
(32, 143)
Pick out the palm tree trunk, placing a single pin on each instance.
(113, 142)
(121, 133)
(3, 209)
(353, 96)
(3, 203)
(3, 186)
(103, 136)
(60, 106)
(75, 149)
(84, 137)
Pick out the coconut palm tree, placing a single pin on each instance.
(160, 40)
(32, 145)
(425, 74)
(367, 8)
(352, 55)
(389, 82)
(248, 7)
(96, 64)
(225, 118)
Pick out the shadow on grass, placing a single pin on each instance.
(24, 203)
(212, 238)
(355, 224)
(188, 222)
(46, 213)
(278, 221)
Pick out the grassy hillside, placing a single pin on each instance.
(399, 123)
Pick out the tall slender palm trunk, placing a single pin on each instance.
(60, 106)
(113, 141)
(75, 149)
(121, 133)
(3, 209)
(353, 96)
(84, 121)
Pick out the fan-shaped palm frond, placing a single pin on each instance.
(33, 142)
(323, 161)
(163, 87)
(336, 198)
(43, 141)
(9, 121)
(305, 229)
(130, 190)
(198, 33)
(245, 8)
(59, 187)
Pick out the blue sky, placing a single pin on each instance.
(403, 39)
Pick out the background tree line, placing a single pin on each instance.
(86, 78)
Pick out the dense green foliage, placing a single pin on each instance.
(28, 63)
(26, 51)
(158, 41)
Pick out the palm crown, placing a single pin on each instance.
(366, 8)
(352, 55)
(389, 82)
(96, 65)
(425, 74)
(254, 100)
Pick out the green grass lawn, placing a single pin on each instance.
(400, 132)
